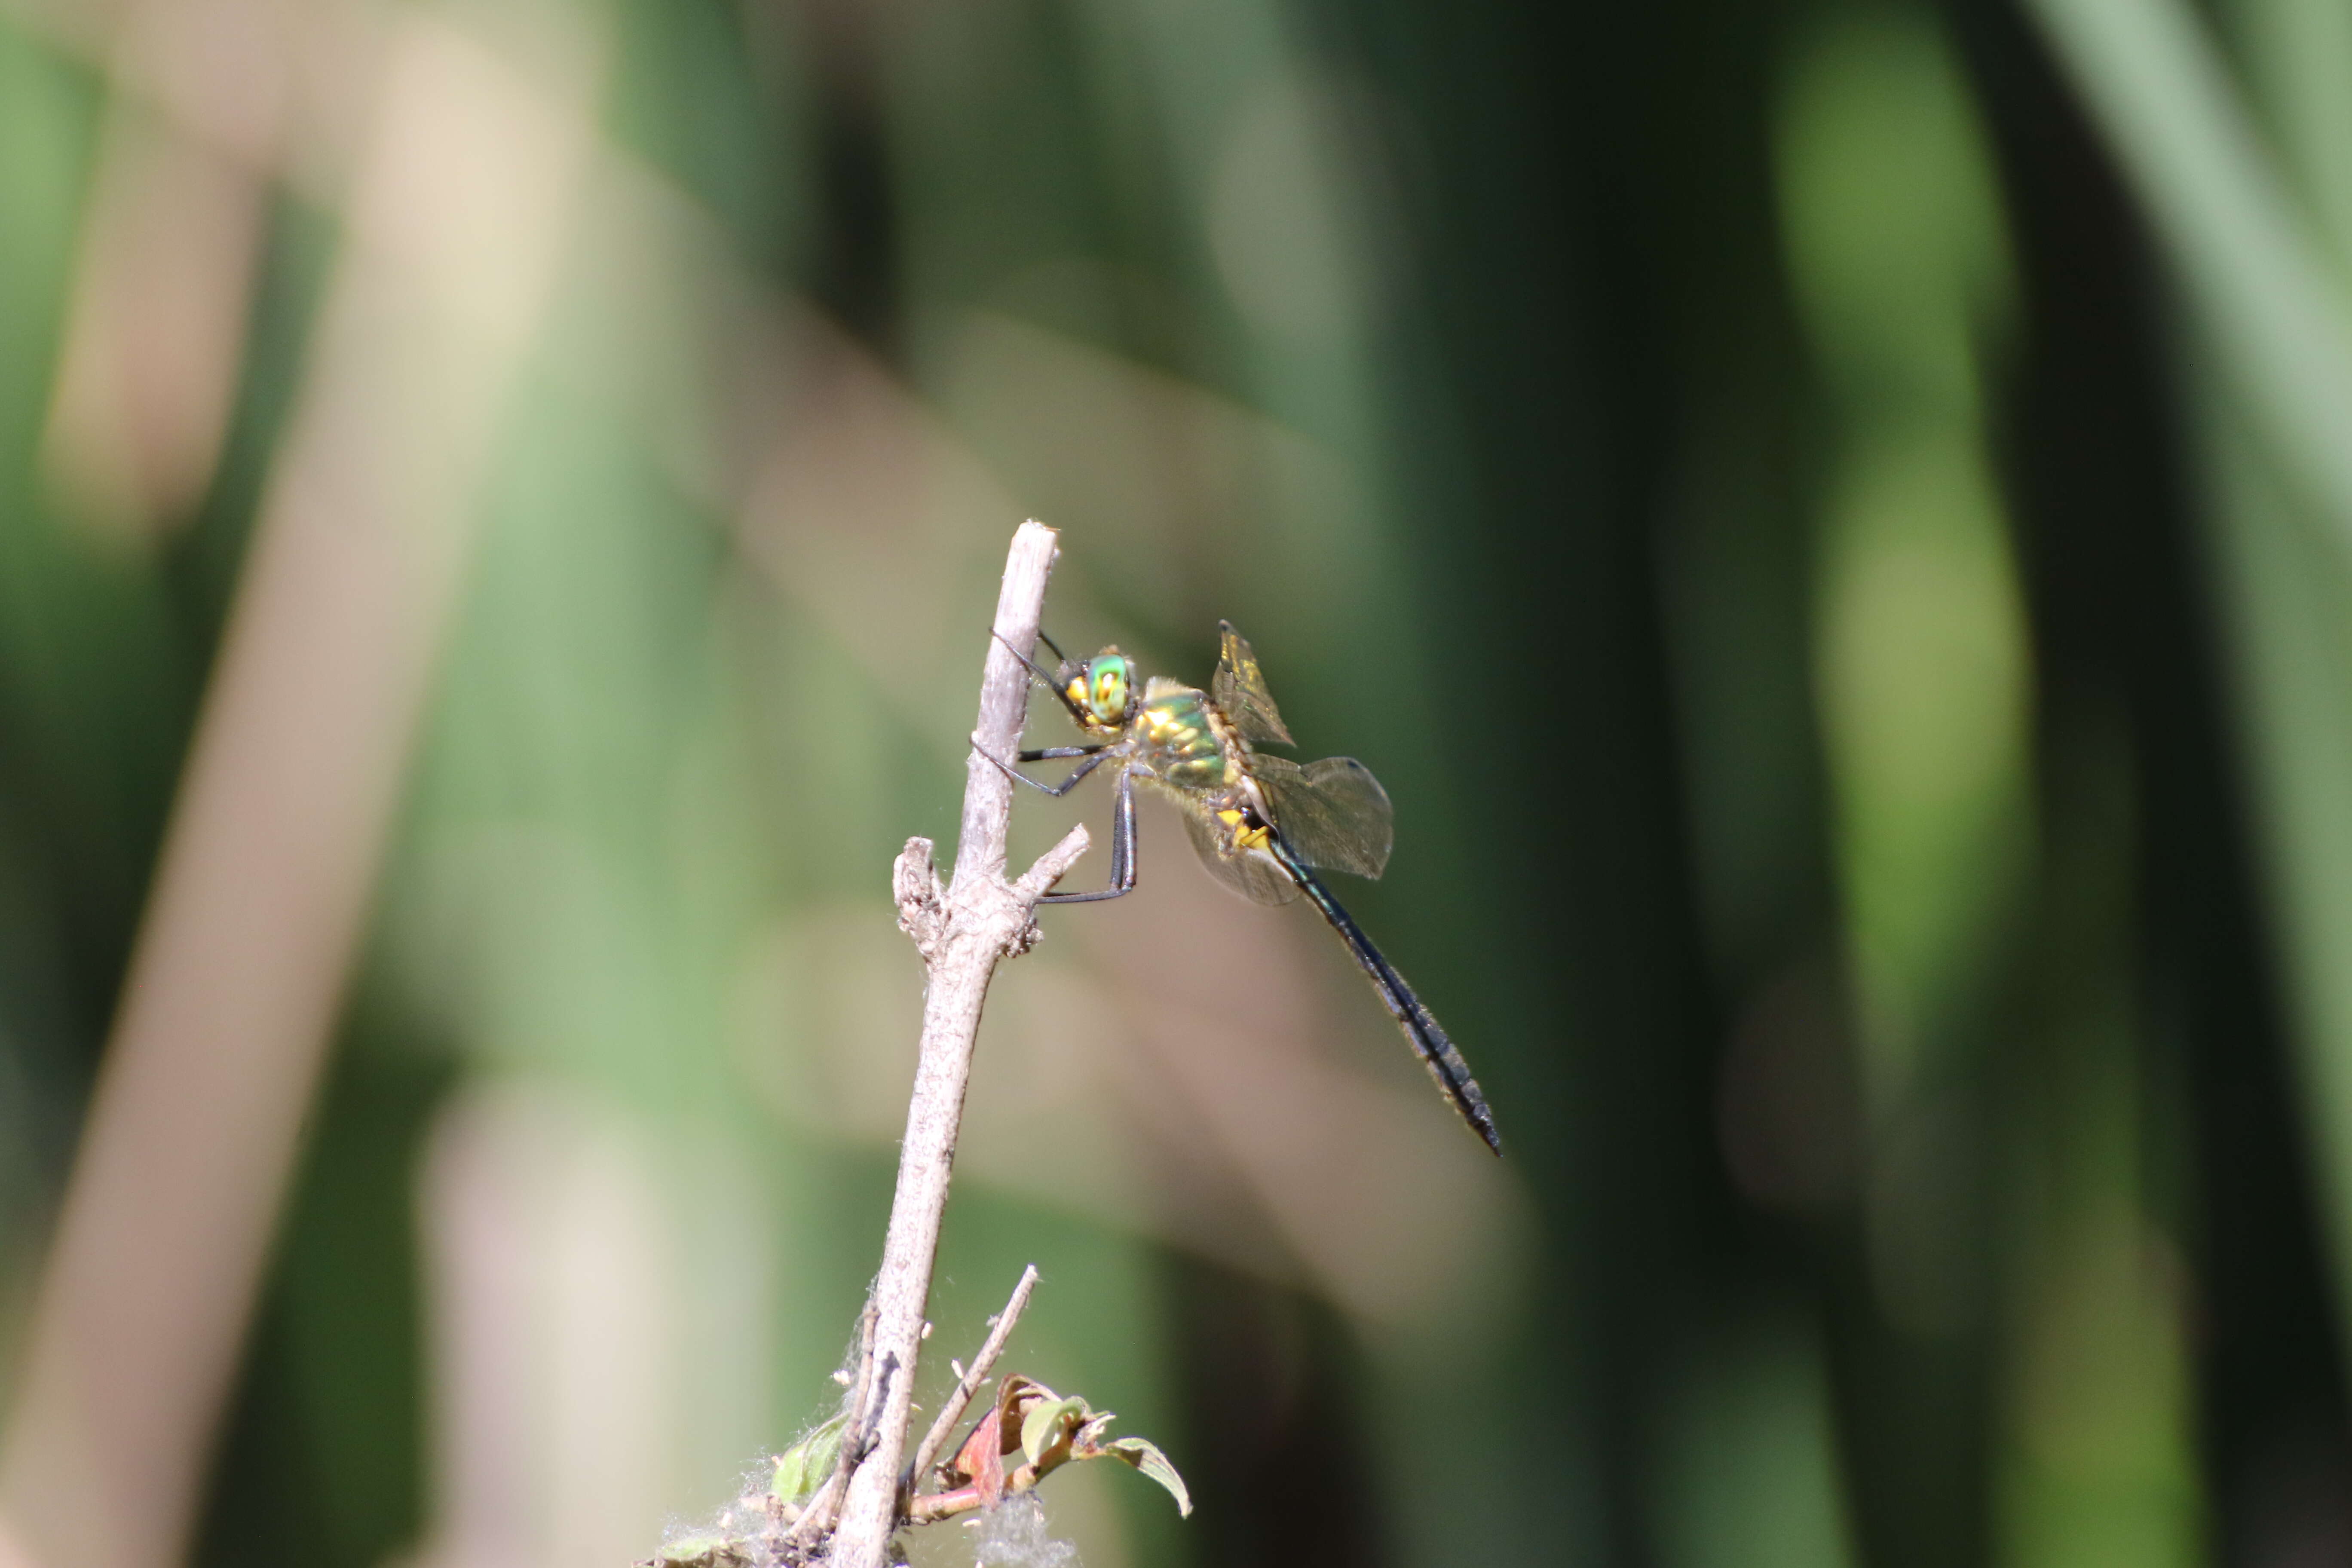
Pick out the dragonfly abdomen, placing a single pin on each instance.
(1422, 1030)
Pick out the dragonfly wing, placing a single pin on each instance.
(1333, 812)
(1239, 692)
(1253, 873)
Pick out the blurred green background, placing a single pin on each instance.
(1829, 518)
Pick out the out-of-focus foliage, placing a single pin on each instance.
(1830, 521)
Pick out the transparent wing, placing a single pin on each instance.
(1239, 691)
(1252, 873)
(1333, 813)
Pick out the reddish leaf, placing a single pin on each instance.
(981, 1460)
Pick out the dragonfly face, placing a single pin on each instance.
(1103, 692)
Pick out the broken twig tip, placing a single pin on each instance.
(921, 900)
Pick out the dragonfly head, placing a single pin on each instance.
(1103, 691)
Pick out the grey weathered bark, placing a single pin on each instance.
(962, 930)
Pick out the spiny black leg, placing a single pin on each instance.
(1033, 667)
(1094, 760)
(1053, 754)
(1077, 775)
(1043, 677)
(1050, 643)
(1122, 850)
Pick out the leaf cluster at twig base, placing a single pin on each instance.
(1026, 1434)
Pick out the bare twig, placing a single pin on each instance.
(935, 1507)
(928, 1452)
(962, 930)
(817, 1518)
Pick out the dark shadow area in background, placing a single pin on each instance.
(1597, 245)
(2124, 622)
(855, 257)
(1279, 1475)
(321, 1461)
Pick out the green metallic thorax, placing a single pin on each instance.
(1180, 740)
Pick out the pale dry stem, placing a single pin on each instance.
(962, 930)
(959, 1399)
(817, 1518)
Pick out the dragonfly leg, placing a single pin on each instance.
(1049, 753)
(1122, 851)
(1093, 759)
(1043, 676)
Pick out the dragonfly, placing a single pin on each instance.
(1264, 826)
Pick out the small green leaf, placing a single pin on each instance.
(1047, 1428)
(1145, 1456)
(703, 1551)
(803, 1468)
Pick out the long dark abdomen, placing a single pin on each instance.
(1429, 1040)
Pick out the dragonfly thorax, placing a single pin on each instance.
(1183, 741)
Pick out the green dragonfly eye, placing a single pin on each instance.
(1105, 689)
